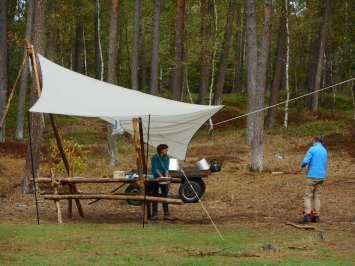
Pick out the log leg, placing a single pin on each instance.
(70, 208)
(59, 211)
(144, 205)
(74, 190)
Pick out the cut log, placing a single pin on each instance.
(113, 197)
(59, 211)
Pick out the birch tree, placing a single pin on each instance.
(3, 62)
(287, 52)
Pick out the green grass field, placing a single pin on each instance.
(166, 244)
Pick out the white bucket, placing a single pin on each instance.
(203, 165)
(174, 164)
(118, 174)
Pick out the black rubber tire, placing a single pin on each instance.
(187, 195)
(133, 189)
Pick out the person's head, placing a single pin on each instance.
(318, 139)
(162, 149)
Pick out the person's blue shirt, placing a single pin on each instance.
(316, 160)
(160, 165)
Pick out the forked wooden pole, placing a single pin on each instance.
(73, 189)
(138, 140)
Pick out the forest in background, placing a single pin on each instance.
(195, 51)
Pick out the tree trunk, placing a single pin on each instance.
(135, 46)
(85, 53)
(179, 50)
(251, 57)
(36, 118)
(98, 50)
(113, 43)
(142, 70)
(318, 72)
(112, 74)
(206, 48)
(78, 48)
(232, 9)
(287, 52)
(20, 115)
(278, 72)
(155, 48)
(238, 64)
(257, 101)
(3, 62)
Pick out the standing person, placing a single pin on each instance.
(160, 168)
(316, 162)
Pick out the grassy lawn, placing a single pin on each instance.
(166, 244)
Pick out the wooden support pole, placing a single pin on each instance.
(138, 144)
(12, 92)
(55, 185)
(72, 188)
(32, 55)
(60, 145)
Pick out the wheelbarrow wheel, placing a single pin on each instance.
(133, 189)
(187, 194)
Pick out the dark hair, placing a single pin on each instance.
(319, 139)
(161, 147)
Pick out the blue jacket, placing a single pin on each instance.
(316, 160)
(160, 165)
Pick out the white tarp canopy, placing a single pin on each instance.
(171, 122)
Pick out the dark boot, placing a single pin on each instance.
(316, 219)
(306, 219)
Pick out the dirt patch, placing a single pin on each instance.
(14, 149)
(233, 195)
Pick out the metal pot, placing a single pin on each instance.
(203, 165)
(174, 164)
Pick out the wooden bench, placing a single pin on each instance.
(74, 194)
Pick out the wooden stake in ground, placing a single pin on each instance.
(138, 140)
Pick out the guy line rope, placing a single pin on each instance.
(281, 103)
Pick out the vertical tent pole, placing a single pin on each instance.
(30, 52)
(146, 209)
(32, 166)
(137, 140)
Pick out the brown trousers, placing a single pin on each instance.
(312, 192)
